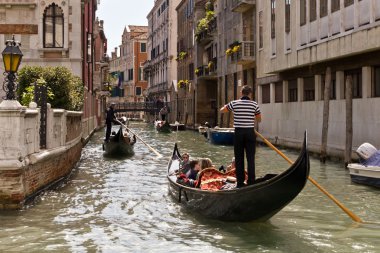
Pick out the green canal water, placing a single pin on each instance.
(122, 205)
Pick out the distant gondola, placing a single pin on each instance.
(119, 144)
(162, 126)
(259, 201)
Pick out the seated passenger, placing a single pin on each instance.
(184, 164)
(189, 179)
(232, 165)
(195, 167)
(206, 163)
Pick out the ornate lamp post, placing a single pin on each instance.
(12, 56)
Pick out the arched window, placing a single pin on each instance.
(53, 27)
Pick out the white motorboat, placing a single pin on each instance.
(368, 171)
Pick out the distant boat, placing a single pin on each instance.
(119, 144)
(221, 136)
(368, 175)
(368, 171)
(259, 201)
(177, 126)
(162, 126)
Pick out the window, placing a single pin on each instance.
(302, 12)
(142, 47)
(278, 93)
(261, 42)
(191, 71)
(53, 27)
(141, 74)
(335, 5)
(138, 91)
(332, 86)
(323, 8)
(348, 3)
(356, 82)
(273, 19)
(292, 90)
(309, 88)
(313, 10)
(287, 16)
(130, 74)
(265, 91)
(376, 84)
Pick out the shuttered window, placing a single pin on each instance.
(273, 19)
(302, 12)
(287, 16)
(323, 8)
(313, 10)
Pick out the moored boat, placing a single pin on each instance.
(221, 136)
(177, 126)
(368, 175)
(120, 144)
(259, 201)
(162, 126)
(368, 170)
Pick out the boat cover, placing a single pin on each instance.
(374, 160)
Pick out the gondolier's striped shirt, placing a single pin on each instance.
(245, 111)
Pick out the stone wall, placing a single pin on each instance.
(25, 169)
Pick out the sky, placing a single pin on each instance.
(119, 13)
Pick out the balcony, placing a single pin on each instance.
(206, 36)
(246, 54)
(207, 72)
(242, 5)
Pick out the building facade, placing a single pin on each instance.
(161, 67)
(101, 71)
(129, 84)
(50, 36)
(297, 42)
(90, 121)
(236, 52)
(47, 31)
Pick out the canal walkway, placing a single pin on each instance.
(122, 205)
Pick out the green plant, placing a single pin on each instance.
(203, 24)
(28, 95)
(182, 55)
(183, 83)
(67, 89)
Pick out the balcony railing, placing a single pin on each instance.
(207, 71)
(246, 54)
(242, 5)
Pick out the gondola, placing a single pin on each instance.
(259, 201)
(119, 144)
(162, 126)
(221, 136)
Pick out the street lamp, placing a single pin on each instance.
(12, 56)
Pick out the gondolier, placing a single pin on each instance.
(245, 111)
(110, 117)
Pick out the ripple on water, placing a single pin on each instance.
(122, 205)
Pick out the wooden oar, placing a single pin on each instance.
(138, 137)
(345, 209)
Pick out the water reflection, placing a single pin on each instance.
(123, 205)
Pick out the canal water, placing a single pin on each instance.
(122, 205)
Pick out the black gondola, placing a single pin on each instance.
(162, 126)
(119, 145)
(259, 201)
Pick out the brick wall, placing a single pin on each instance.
(17, 185)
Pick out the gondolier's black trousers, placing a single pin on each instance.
(245, 140)
(108, 130)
